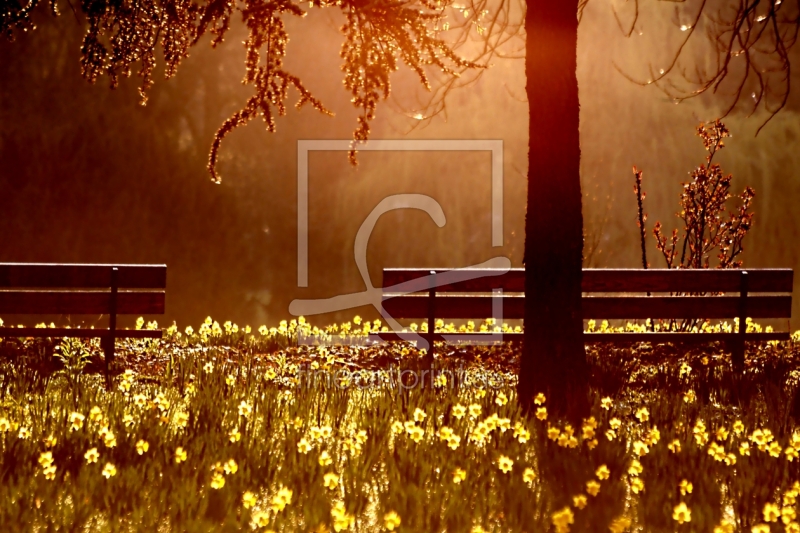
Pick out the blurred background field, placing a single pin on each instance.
(88, 175)
(220, 429)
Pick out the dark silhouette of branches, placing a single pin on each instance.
(485, 29)
(750, 43)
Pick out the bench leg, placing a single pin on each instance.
(112, 326)
(431, 316)
(108, 351)
(737, 354)
(738, 346)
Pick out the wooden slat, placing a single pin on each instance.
(453, 307)
(80, 333)
(687, 280)
(655, 337)
(711, 307)
(80, 302)
(75, 276)
(597, 280)
(599, 307)
(449, 280)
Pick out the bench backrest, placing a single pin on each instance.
(596, 281)
(35, 288)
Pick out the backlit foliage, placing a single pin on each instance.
(707, 228)
(378, 36)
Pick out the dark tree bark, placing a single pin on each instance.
(553, 358)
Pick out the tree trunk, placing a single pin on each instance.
(553, 358)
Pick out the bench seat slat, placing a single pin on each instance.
(77, 276)
(604, 280)
(79, 333)
(599, 307)
(81, 302)
(591, 337)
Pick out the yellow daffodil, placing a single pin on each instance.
(771, 512)
(330, 480)
(474, 410)
(303, 446)
(109, 471)
(416, 433)
(505, 464)
(528, 475)
(744, 448)
(681, 513)
(562, 520)
(342, 520)
(640, 448)
(391, 520)
(46, 459)
(49, 472)
(180, 455)
(249, 500)
(245, 409)
(91, 455)
(217, 481)
(142, 446)
(453, 442)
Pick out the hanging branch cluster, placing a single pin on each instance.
(706, 226)
(378, 34)
(750, 42)
(267, 38)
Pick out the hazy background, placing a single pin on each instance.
(89, 175)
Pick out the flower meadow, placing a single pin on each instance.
(221, 429)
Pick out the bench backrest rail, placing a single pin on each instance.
(690, 296)
(598, 280)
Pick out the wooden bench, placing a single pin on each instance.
(74, 289)
(663, 294)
